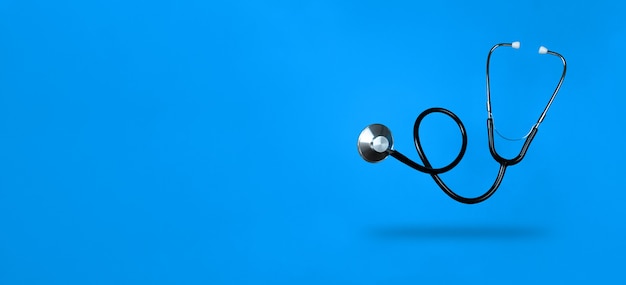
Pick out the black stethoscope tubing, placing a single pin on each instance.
(504, 163)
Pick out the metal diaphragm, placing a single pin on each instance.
(374, 143)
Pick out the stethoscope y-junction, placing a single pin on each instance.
(375, 142)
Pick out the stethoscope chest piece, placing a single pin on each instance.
(374, 142)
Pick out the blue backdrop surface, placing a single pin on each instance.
(201, 142)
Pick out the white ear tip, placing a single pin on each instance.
(515, 45)
(543, 50)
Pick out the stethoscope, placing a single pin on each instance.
(376, 143)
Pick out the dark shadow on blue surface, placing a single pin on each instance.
(458, 232)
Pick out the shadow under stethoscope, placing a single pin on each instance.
(438, 232)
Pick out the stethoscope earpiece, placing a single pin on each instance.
(374, 143)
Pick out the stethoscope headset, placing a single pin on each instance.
(375, 142)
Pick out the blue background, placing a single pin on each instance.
(191, 142)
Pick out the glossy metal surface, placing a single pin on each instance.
(368, 136)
